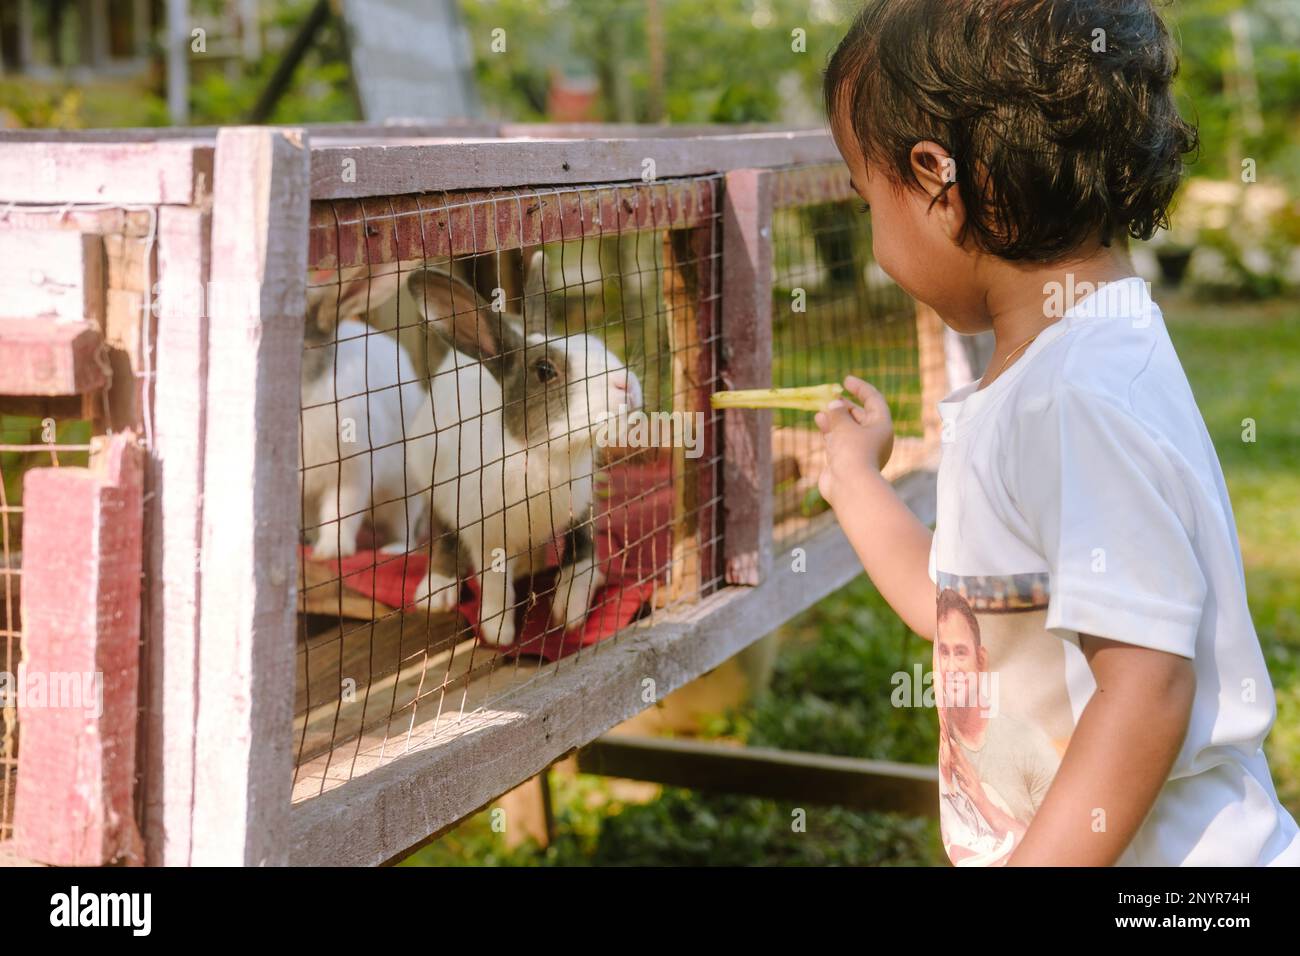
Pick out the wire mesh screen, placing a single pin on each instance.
(26, 442)
(507, 452)
(834, 313)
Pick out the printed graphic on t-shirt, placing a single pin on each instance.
(1004, 711)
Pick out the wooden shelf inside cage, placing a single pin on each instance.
(417, 674)
(411, 674)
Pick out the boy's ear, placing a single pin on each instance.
(935, 172)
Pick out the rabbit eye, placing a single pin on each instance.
(545, 370)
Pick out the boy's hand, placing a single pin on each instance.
(857, 436)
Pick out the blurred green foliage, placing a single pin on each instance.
(1209, 93)
(23, 430)
(321, 91)
(723, 61)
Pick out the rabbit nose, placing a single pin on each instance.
(625, 389)
(630, 388)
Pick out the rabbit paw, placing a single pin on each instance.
(498, 628)
(573, 593)
(438, 592)
(330, 546)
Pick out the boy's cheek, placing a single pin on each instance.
(905, 266)
(903, 249)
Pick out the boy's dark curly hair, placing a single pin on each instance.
(1058, 113)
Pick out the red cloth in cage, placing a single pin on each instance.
(633, 543)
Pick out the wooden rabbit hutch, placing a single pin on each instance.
(366, 471)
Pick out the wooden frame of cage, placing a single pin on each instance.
(233, 216)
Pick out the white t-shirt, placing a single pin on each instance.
(1080, 493)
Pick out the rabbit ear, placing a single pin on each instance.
(366, 288)
(460, 314)
(322, 294)
(535, 293)
(334, 296)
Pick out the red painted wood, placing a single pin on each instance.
(82, 547)
(47, 358)
(345, 233)
(747, 363)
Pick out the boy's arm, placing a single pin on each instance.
(893, 546)
(1118, 759)
(891, 542)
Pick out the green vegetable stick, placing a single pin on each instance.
(804, 398)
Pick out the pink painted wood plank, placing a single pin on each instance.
(42, 357)
(82, 554)
(747, 363)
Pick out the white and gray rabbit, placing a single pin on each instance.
(516, 417)
(360, 395)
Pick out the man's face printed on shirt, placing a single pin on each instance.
(960, 660)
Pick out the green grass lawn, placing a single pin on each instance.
(830, 692)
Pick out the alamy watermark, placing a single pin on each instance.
(1124, 299)
(920, 688)
(56, 690)
(642, 429)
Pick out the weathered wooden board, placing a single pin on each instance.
(321, 591)
(364, 233)
(51, 274)
(747, 363)
(340, 172)
(639, 130)
(175, 531)
(881, 786)
(405, 128)
(243, 757)
(376, 680)
(9, 856)
(689, 301)
(437, 691)
(42, 357)
(136, 223)
(105, 172)
(83, 544)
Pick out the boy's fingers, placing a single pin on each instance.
(858, 414)
(864, 393)
(834, 415)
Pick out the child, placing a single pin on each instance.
(1085, 548)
